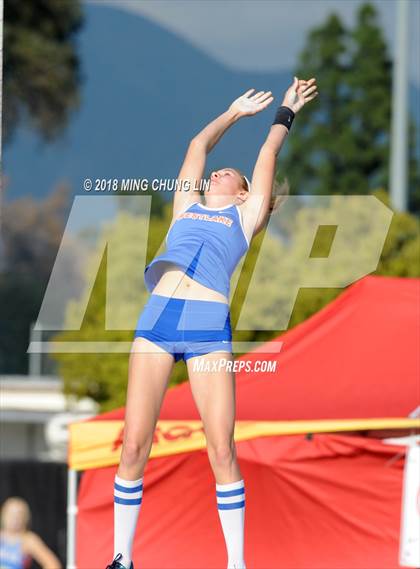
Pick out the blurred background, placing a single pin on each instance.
(116, 89)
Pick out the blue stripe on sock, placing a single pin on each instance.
(127, 502)
(226, 493)
(232, 506)
(129, 490)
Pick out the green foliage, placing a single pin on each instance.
(401, 253)
(413, 171)
(369, 78)
(340, 142)
(41, 66)
(315, 161)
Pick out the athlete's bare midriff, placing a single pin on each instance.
(176, 284)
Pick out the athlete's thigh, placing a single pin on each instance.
(213, 388)
(149, 371)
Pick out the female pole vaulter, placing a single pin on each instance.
(187, 316)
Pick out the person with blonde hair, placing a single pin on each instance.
(19, 545)
(187, 315)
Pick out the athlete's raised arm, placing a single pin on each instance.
(296, 96)
(192, 170)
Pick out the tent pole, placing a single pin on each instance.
(71, 517)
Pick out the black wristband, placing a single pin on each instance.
(284, 116)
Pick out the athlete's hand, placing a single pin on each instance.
(299, 93)
(248, 104)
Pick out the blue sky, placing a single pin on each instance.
(264, 34)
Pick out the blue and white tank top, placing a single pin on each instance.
(207, 242)
(12, 555)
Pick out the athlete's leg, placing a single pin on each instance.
(214, 394)
(149, 371)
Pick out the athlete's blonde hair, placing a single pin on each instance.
(279, 192)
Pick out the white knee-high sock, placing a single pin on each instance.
(231, 508)
(128, 496)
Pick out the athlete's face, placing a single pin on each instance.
(14, 516)
(225, 182)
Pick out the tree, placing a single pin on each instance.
(369, 79)
(31, 235)
(315, 160)
(413, 171)
(41, 68)
(340, 143)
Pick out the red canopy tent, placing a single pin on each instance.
(326, 500)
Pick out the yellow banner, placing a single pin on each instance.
(96, 444)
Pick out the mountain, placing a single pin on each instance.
(146, 92)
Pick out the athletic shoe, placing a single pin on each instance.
(117, 565)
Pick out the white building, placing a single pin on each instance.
(34, 413)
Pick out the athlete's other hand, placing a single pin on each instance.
(248, 104)
(299, 93)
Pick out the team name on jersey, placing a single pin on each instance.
(205, 217)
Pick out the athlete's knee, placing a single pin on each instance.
(134, 452)
(221, 454)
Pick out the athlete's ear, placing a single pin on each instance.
(243, 195)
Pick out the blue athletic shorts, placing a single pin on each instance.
(185, 328)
